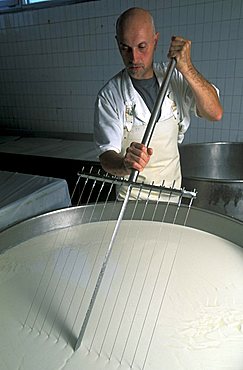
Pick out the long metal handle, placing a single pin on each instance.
(133, 177)
(102, 271)
(154, 115)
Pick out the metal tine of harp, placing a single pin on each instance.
(118, 292)
(120, 361)
(126, 342)
(147, 199)
(157, 201)
(106, 258)
(144, 280)
(100, 217)
(141, 331)
(71, 271)
(41, 305)
(36, 295)
(160, 192)
(133, 176)
(169, 192)
(91, 191)
(97, 179)
(108, 197)
(51, 277)
(44, 271)
(76, 185)
(43, 276)
(94, 183)
(99, 196)
(103, 268)
(167, 204)
(103, 307)
(25, 322)
(81, 270)
(168, 279)
(85, 183)
(66, 287)
(100, 277)
(188, 209)
(156, 188)
(70, 274)
(100, 179)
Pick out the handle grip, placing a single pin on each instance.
(155, 112)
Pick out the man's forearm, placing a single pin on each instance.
(206, 97)
(113, 163)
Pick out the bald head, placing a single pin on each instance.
(137, 40)
(134, 16)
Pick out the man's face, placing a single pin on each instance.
(137, 42)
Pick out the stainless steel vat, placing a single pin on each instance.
(215, 170)
(65, 271)
(210, 222)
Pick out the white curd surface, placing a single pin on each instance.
(171, 299)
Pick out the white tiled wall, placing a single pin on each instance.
(53, 61)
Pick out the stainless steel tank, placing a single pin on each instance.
(215, 170)
(52, 267)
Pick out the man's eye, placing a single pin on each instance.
(142, 46)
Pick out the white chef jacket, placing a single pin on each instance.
(119, 105)
(121, 116)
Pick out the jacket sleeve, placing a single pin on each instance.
(108, 123)
(185, 102)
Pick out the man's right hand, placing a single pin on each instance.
(137, 156)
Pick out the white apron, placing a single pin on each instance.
(164, 165)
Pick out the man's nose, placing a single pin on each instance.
(134, 55)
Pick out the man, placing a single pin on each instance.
(124, 105)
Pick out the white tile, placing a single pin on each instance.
(236, 8)
(239, 68)
(238, 86)
(226, 9)
(234, 121)
(199, 13)
(217, 10)
(76, 51)
(233, 136)
(237, 104)
(237, 52)
(208, 12)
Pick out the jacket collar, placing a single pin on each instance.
(132, 98)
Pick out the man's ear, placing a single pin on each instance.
(156, 39)
(117, 40)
